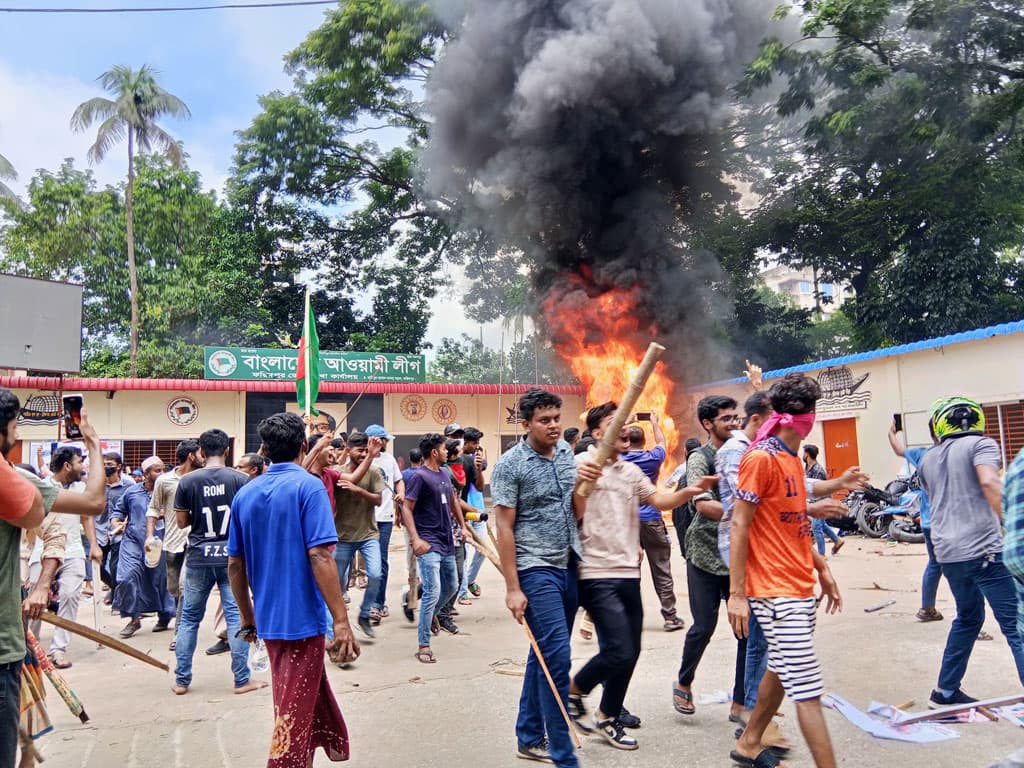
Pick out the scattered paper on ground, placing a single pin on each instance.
(916, 733)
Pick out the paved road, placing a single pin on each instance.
(459, 713)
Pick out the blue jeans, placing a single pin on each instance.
(344, 553)
(440, 580)
(199, 583)
(88, 563)
(469, 574)
(385, 542)
(972, 583)
(757, 662)
(10, 710)
(550, 610)
(932, 573)
(820, 530)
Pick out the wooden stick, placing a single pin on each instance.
(59, 683)
(486, 551)
(956, 709)
(88, 632)
(606, 449)
(28, 745)
(494, 539)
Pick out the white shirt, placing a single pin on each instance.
(72, 525)
(388, 466)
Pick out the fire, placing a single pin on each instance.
(602, 341)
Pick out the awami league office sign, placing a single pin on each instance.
(249, 364)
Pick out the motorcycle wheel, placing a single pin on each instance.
(900, 530)
(875, 526)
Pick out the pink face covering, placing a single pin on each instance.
(802, 423)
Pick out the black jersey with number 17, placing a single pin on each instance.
(207, 495)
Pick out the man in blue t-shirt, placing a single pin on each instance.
(279, 544)
(653, 534)
(932, 571)
(428, 512)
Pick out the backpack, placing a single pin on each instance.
(684, 515)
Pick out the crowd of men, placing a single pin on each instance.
(285, 534)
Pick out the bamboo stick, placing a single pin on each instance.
(88, 632)
(606, 448)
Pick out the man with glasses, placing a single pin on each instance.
(707, 575)
(323, 424)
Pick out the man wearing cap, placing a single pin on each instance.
(384, 513)
(141, 588)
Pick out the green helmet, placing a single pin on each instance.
(956, 416)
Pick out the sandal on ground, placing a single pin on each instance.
(764, 759)
(60, 661)
(474, 589)
(425, 656)
(465, 601)
(928, 614)
(683, 709)
(772, 739)
(983, 635)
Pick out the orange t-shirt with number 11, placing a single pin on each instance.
(779, 559)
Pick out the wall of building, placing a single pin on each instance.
(990, 371)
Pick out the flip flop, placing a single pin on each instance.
(465, 601)
(764, 759)
(685, 696)
(425, 657)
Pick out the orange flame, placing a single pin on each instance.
(601, 340)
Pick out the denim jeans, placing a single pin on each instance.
(10, 710)
(469, 575)
(932, 573)
(344, 554)
(88, 562)
(199, 583)
(756, 662)
(460, 572)
(821, 529)
(972, 583)
(440, 581)
(550, 610)
(385, 543)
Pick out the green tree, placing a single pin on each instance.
(908, 181)
(139, 101)
(8, 173)
(200, 275)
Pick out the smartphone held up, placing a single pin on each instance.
(73, 416)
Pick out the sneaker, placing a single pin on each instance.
(628, 719)
(674, 624)
(474, 589)
(614, 733)
(929, 614)
(449, 626)
(130, 628)
(366, 627)
(538, 752)
(221, 646)
(937, 700)
(578, 712)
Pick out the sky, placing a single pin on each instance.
(219, 62)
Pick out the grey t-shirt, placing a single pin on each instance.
(964, 527)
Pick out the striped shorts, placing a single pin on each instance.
(788, 626)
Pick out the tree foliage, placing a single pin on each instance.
(908, 183)
(469, 361)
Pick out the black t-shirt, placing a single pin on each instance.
(207, 495)
(472, 477)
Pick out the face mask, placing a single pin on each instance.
(111, 471)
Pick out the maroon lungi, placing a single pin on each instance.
(306, 714)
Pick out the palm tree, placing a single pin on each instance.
(7, 172)
(138, 102)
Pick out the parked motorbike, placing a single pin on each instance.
(870, 511)
(894, 512)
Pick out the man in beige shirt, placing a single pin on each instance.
(609, 579)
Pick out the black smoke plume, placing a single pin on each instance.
(586, 134)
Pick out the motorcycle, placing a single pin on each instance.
(894, 512)
(869, 508)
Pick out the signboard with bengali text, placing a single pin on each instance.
(252, 364)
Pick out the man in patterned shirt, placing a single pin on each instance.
(534, 489)
(1013, 526)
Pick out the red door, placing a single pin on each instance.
(840, 446)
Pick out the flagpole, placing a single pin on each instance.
(306, 359)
